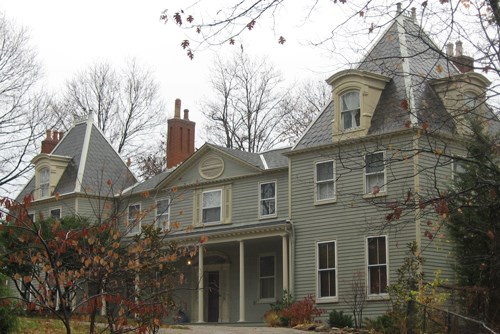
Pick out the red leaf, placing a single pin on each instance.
(281, 40)
(439, 68)
(490, 234)
(190, 19)
(408, 124)
(425, 125)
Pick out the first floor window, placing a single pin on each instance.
(377, 265)
(327, 269)
(267, 277)
(134, 223)
(162, 213)
(44, 182)
(350, 110)
(268, 199)
(374, 173)
(211, 206)
(325, 180)
(457, 168)
(55, 213)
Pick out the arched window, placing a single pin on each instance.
(471, 101)
(350, 110)
(44, 182)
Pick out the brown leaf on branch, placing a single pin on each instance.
(231, 41)
(190, 19)
(404, 104)
(190, 54)
(178, 18)
(251, 25)
(281, 40)
(185, 44)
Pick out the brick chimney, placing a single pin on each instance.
(462, 62)
(51, 140)
(180, 137)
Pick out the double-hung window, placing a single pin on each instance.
(267, 279)
(55, 213)
(374, 173)
(377, 265)
(162, 214)
(44, 182)
(327, 269)
(350, 111)
(267, 199)
(134, 218)
(457, 168)
(325, 180)
(211, 206)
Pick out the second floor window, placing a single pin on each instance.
(134, 219)
(162, 214)
(350, 111)
(211, 206)
(44, 182)
(325, 180)
(374, 173)
(268, 199)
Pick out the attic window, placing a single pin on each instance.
(350, 110)
(44, 182)
(470, 101)
(211, 167)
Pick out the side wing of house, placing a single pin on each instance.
(238, 201)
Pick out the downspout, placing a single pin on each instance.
(291, 246)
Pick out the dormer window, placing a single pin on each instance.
(471, 101)
(44, 182)
(350, 115)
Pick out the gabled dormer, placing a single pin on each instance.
(48, 167)
(355, 94)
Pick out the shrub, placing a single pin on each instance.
(386, 323)
(339, 319)
(302, 311)
(274, 317)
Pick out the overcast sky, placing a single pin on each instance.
(70, 35)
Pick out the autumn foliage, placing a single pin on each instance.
(74, 265)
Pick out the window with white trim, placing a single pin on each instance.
(44, 182)
(55, 213)
(134, 218)
(267, 277)
(267, 199)
(211, 206)
(374, 173)
(327, 269)
(325, 180)
(471, 101)
(350, 113)
(377, 265)
(162, 214)
(457, 168)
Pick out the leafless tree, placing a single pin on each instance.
(300, 106)
(243, 112)
(22, 107)
(126, 104)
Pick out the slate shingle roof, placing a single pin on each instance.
(102, 163)
(403, 41)
(272, 159)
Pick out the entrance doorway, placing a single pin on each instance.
(213, 296)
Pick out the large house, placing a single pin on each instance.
(308, 218)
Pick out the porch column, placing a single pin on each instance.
(242, 281)
(284, 243)
(200, 284)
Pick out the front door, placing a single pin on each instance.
(213, 296)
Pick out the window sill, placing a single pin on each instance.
(325, 201)
(266, 301)
(380, 297)
(325, 300)
(380, 194)
(267, 217)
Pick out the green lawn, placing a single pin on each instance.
(47, 325)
